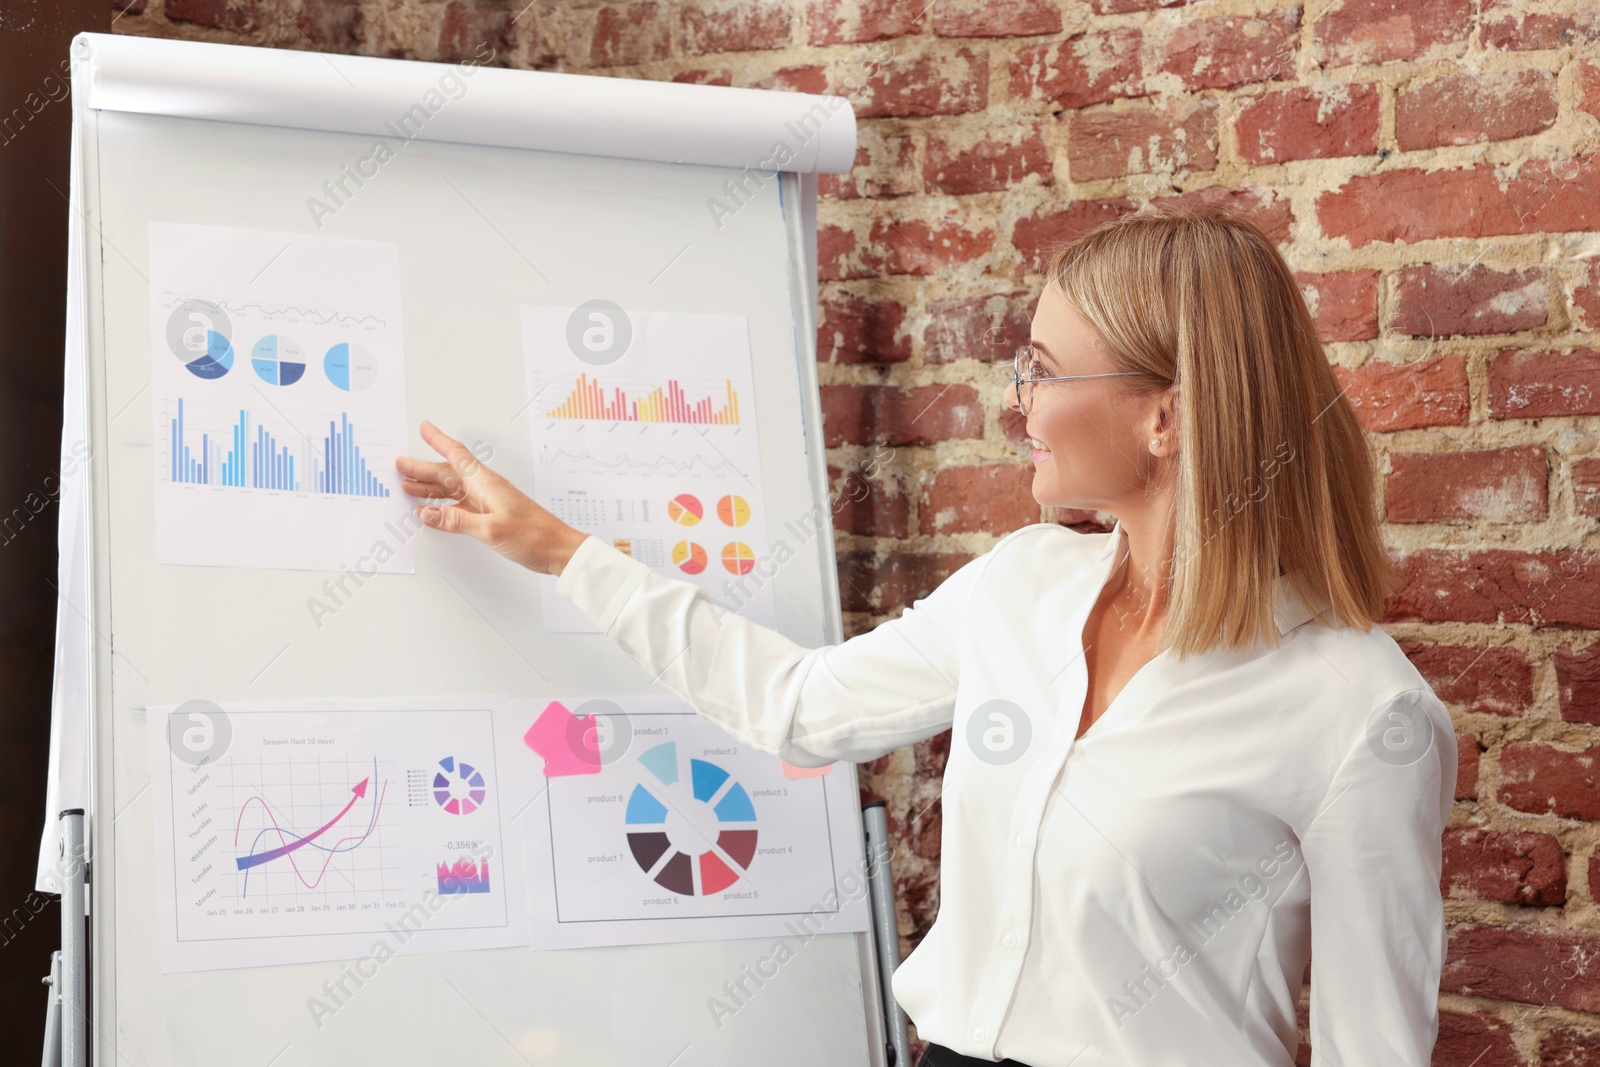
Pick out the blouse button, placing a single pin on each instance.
(1022, 840)
(1009, 941)
(977, 1035)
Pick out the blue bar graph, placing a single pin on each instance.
(344, 468)
(269, 463)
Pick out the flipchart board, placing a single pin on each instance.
(502, 190)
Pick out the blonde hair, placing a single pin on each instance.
(1272, 467)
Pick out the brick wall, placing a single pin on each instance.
(1431, 168)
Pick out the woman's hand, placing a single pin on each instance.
(489, 508)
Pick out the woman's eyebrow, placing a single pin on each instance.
(1045, 356)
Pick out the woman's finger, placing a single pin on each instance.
(453, 519)
(428, 490)
(423, 470)
(456, 454)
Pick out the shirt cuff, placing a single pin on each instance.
(599, 579)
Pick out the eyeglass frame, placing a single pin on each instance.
(1019, 381)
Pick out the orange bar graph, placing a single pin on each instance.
(661, 404)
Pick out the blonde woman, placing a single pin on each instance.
(1185, 761)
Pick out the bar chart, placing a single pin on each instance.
(667, 402)
(253, 457)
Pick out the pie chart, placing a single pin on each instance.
(689, 557)
(458, 787)
(350, 367)
(737, 557)
(690, 836)
(197, 333)
(685, 509)
(733, 510)
(277, 360)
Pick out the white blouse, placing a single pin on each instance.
(1145, 895)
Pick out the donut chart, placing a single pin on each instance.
(459, 787)
(686, 871)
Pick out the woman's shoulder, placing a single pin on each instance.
(1050, 539)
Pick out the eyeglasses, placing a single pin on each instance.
(1024, 373)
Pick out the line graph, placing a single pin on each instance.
(291, 834)
(289, 843)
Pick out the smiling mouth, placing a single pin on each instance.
(1038, 445)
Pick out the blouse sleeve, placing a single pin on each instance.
(851, 701)
(1373, 852)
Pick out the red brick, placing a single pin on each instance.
(1586, 487)
(624, 35)
(1036, 236)
(1406, 396)
(831, 22)
(1267, 208)
(917, 247)
(1440, 300)
(1511, 868)
(1496, 680)
(994, 498)
(1558, 587)
(1343, 303)
(1511, 25)
(1140, 139)
(1578, 683)
(464, 28)
(1119, 7)
(924, 829)
(986, 328)
(806, 79)
(918, 86)
(1013, 425)
(888, 414)
(1221, 53)
(1524, 964)
(1468, 109)
(1567, 1047)
(868, 506)
(1083, 70)
(1585, 301)
(836, 255)
(996, 18)
(1544, 197)
(1526, 384)
(884, 167)
(958, 165)
(930, 756)
(883, 586)
(1474, 1039)
(1377, 31)
(225, 15)
(742, 26)
(1494, 485)
(1467, 752)
(1540, 778)
(1308, 123)
(859, 329)
(712, 76)
(1586, 79)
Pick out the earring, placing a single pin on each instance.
(1155, 442)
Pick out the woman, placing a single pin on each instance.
(1184, 757)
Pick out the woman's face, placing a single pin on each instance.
(1091, 444)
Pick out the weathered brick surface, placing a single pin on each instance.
(1431, 171)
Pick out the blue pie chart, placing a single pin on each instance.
(350, 367)
(277, 360)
